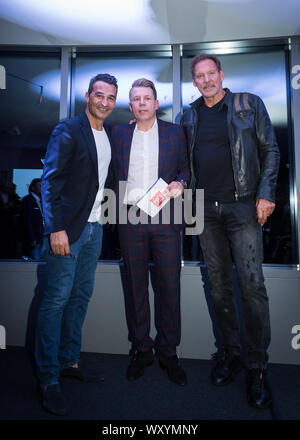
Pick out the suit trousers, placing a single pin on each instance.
(139, 243)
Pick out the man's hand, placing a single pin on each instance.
(59, 242)
(175, 189)
(264, 209)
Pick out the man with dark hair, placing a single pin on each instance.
(142, 153)
(104, 77)
(75, 171)
(31, 221)
(235, 158)
(204, 57)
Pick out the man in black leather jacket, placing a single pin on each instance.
(234, 157)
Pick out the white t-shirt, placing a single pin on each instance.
(104, 157)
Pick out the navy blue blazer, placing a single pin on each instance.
(70, 177)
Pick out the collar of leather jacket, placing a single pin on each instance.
(200, 101)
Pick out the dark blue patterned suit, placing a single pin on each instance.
(160, 241)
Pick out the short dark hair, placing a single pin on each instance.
(33, 183)
(202, 57)
(143, 82)
(105, 77)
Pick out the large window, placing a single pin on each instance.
(265, 74)
(29, 107)
(126, 67)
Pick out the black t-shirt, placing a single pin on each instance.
(212, 155)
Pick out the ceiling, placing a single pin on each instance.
(115, 22)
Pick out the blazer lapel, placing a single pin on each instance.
(126, 148)
(90, 141)
(161, 147)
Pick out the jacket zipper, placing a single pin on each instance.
(192, 151)
(232, 160)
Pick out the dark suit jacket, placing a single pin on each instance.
(31, 220)
(172, 161)
(70, 177)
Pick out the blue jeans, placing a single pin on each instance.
(232, 233)
(37, 251)
(70, 283)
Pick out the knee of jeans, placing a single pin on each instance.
(253, 283)
(219, 293)
(54, 302)
(219, 296)
(256, 296)
(220, 282)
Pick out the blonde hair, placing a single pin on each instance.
(143, 82)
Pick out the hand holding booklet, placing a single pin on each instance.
(154, 199)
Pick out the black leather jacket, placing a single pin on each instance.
(254, 151)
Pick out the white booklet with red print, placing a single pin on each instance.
(154, 199)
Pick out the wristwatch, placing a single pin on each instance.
(183, 183)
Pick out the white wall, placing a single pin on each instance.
(105, 329)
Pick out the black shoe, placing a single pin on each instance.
(80, 374)
(258, 391)
(139, 361)
(226, 369)
(175, 372)
(54, 401)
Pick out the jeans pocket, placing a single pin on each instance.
(61, 257)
